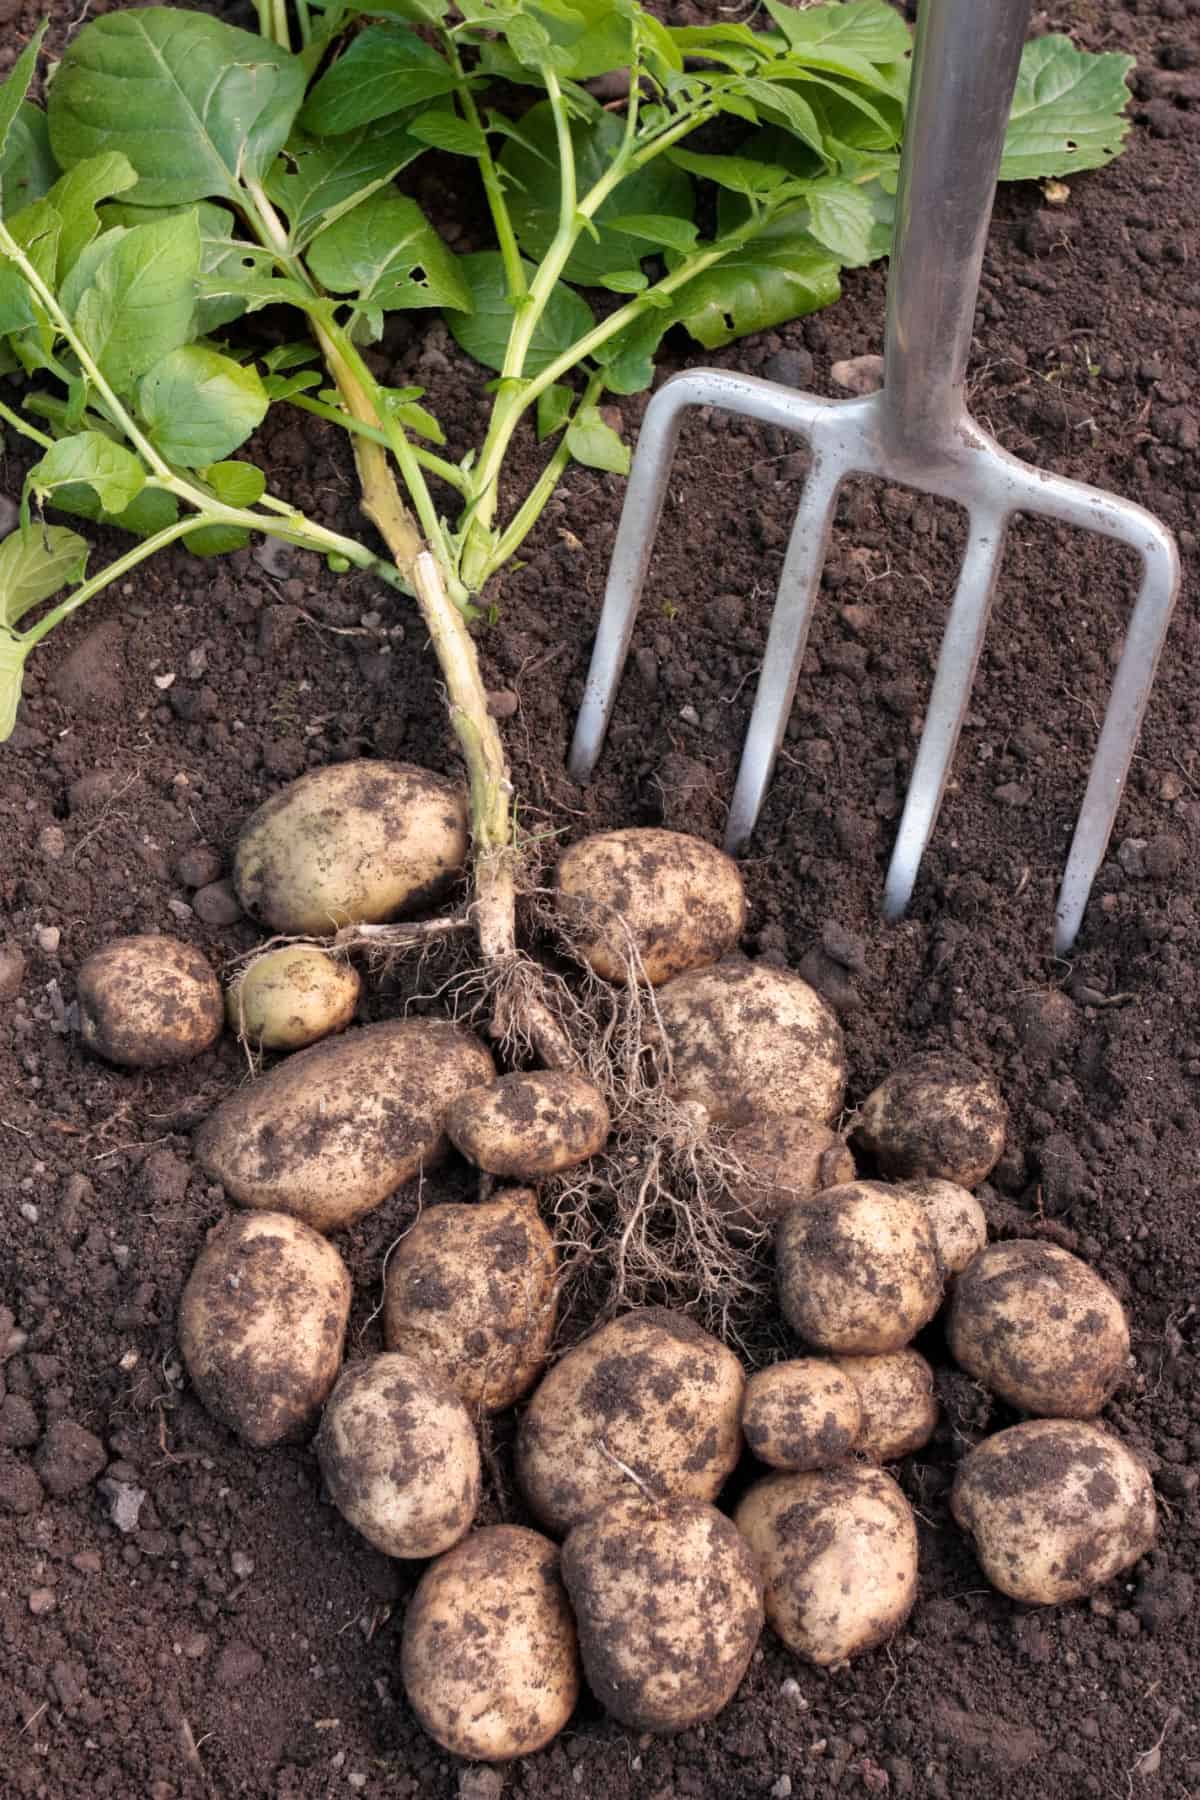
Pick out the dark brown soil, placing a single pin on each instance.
(192, 1618)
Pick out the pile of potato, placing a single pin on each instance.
(635, 1578)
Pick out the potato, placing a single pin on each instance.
(899, 1411)
(1039, 1328)
(335, 1129)
(147, 1002)
(529, 1126)
(858, 1269)
(471, 1293)
(669, 1607)
(801, 1415)
(650, 1391)
(750, 1041)
(786, 1160)
(1055, 1508)
(261, 1325)
(838, 1553)
(959, 1222)
(489, 1657)
(355, 842)
(936, 1115)
(291, 997)
(399, 1456)
(661, 898)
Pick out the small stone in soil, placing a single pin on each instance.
(48, 938)
(197, 866)
(791, 368)
(480, 1784)
(217, 904)
(859, 374)
(12, 970)
(69, 1458)
(52, 843)
(41, 1600)
(502, 703)
(87, 1562)
(125, 1502)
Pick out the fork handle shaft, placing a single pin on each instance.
(965, 65)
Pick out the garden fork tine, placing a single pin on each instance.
(917, 432)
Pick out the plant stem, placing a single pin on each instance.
(25, 428)
(534, 505)
(493, 187)
(112, 572)
(437, 465)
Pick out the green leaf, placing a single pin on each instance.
(387, 254)
(152, 511)
(420, 12)
(740, 174)
(199, 406)
(762, 284)
(772, 98)
(142, 298)
(657, 229)
(37, 229)
(533, 46)
(625, 281)
(554, 406)
(386, 68)
(595, 444)
(113, 473)
(236, 483)
(870, 29)
(628, 358)
(27, 167)
(483, 333)
(216, 540)
(282, 387)
(196, 105)
(13, 652)
(314, 182)
(34, 564)
(76, 195)
(533, 169)
(1067, 112)
(841, 217)
(17, 85)
(445, 130)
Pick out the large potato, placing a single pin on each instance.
(800, 1415)
(1055, 1508)
(959, 1222)
(785, 1160)
(936, 1115)
(261, 1325)
(1039, 1328)
(661, 898)
(147, 1002)
(838, 1553)
(858, 1269)
(651, 1393)
(899, 1411)
(335, 1129)
(399, 1456)
(358, 841)
(528, 1126)
(669, 1606)
(292, 997)
(489, 1656)
(750, 1041)
(471, 1292)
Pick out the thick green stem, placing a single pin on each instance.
(493, 186)
(25, 428)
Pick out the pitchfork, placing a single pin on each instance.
(916, 431)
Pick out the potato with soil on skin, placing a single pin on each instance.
(650, 1393)
(936, 1115)
(668, 1602)
(1054, 1509)
(785, 1160)
(1038, 1327)
(399, 1456)
(751, 1041)
(899, 1411)
(838, 1553)
(357, 842)
(661, 899)
(335, 1129)
(489, 1656)
(148, 1002)
(471, 1292)
(526, 1127)
(959, 1222)
(858, 1269)
(292, 997)
(261, 1325)
(804, 1414)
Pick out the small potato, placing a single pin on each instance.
(801, 1415)
(661, 898)
(936, 1115)
(669, 1606)
(899, 1411)
(261, 1325)
(959, 1222)
(470, 1292)
(291, 997)
(147, 1002)
(399, 1455)
(489, 1656)
(838, 1553)
(651, 1391)
(786, 1160)
(1054, 1508)
(335, 1129)
(1038, 1327)
(858, 1270)
(750, 1041)
(355, 842)
(529, 1126)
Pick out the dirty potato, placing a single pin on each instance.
(899, 1411)
(803, 1414)
(526, 1127)
(261, 1325)
(959, 1222)
(292, 997)
(858, 1269)
(471, 1292)
(785, 1160)
(936, 1115)
(147, 1002)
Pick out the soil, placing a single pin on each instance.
(181, 1616)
